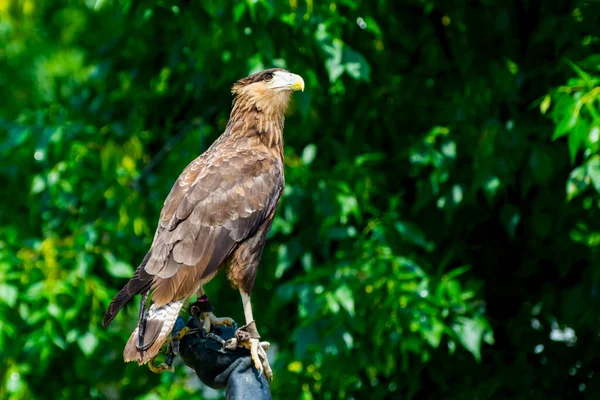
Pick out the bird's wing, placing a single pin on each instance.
(214, 205)
(218, 201)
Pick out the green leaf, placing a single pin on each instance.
(334, 68)
(565, 114)
(545, 104)
(306, 394)
(578, 137)
(8, 294)
(213, 8)
(348, 205)
(510, 216)
(333, 48)
(491, 186)
(456, 272)
(367, 158)
(309, 154)
(448, 149)
(594, 136)
(344, 295)
(470, 334)
(373, 27)
(413, 234)
(593, 171)
(238, 11)
(283, 261)
(255, 63)
(356, 65)
(38, 184)
(512, 67)
(332, 303)
(116, 268)
(582, 74)
(576, 183)
(88, 343)
(434, 333)
(138, 226)
(349, 340)
(591, 62)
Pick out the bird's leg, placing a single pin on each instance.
(247, 336)
(202, 310)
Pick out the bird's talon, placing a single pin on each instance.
(265, 345)
(220, 321)
(208, 319)
(259, 356)
(231, 344)
(162, 367)
(217, 339)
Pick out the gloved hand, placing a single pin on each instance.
(218, 367)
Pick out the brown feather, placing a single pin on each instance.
(147, 339)
(217, 213)
(140, 282)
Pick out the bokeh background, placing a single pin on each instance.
(438, 234)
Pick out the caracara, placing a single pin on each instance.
(216, 216)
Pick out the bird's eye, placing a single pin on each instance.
(268, 77)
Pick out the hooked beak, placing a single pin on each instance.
(296, 82)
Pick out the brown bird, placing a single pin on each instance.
(216, 216)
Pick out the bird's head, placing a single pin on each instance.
(267, 90)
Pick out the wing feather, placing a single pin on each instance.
(218, 201)
(221, 207)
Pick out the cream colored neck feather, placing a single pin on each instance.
(260, 112)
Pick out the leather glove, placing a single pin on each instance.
(219, 367)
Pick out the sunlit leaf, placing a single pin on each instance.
(577, 183)
(593, 171)
(309, 153)
(38, 184)
(577, 137)
(88, 343)
(470, 334)
(346, 298)
(545, 104)
(433, 335)
(356, 65)
(565, 114)
(117, 268)
(283, 261)
(8, 294)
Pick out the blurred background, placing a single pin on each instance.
(438, 234)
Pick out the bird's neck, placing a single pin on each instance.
(263, 120)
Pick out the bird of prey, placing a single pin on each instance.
(216, 216)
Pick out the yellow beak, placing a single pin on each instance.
(296, 82)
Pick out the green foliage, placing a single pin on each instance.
(438, 232)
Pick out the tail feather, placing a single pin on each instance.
(150, 335)
(148, 332)
(140, 282)
(115, 306)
